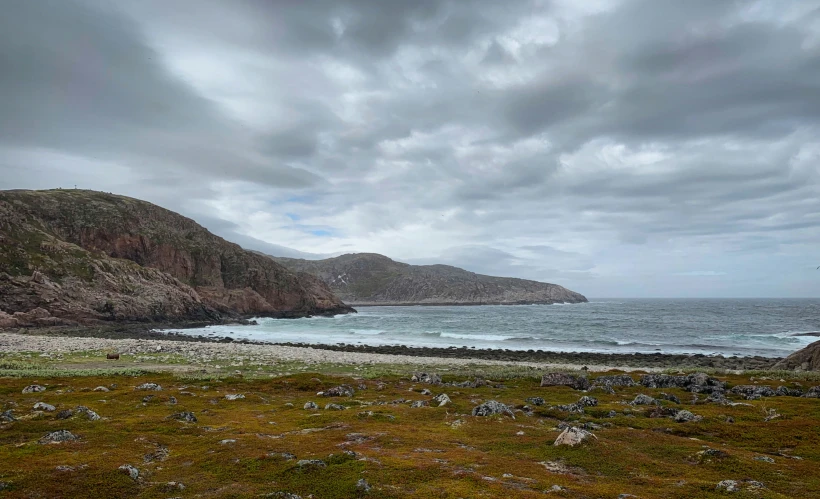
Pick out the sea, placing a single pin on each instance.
(728, 327)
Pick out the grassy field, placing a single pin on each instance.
(252, 446)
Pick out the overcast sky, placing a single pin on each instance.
(619, 148)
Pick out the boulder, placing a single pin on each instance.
(58, 436)
(753, 392)
(149, 386)
(491, 408)
(813, 392)
(311, 406)
(614, 380)
(685, 416)
(34, 389)
(564, 379)
(339, 391)
(334, 407)
(642, 399)
(807, 359)
(573, 436)
(696, 382)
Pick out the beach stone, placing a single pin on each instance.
(339, 391)
(642, 399)
(430, 378)
(34, 389)
(442, 399)
(58, 437)
(234, 396)
(535, 401)
(685, 416)
(8, 416)
(149, 386)
(131, 471)
(362, 485)
(573, 436)
(311, 406)
(564, 379)
(186, 416)
(492, 407)
(318, 463)
(753, 392)
(334, 407)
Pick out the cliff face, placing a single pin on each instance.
(111, 257)
(371, 279)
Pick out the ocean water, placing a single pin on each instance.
(743, 327)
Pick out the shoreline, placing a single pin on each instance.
(125, 336)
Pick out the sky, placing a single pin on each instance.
(645, 148)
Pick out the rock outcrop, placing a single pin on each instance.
(807, 359)
(372, 279)
(75, 256)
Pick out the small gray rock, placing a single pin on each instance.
(335, 407)
(685, 416)
(642, 399)
(42, 406)
(362, 485)
(426, 392)
(101, 389)
(339, 391)
(419, 403)
(442, 399)
(430, 378)
(7, 416)
(234, 396)
(186, 416)
(227, 441)
(311, 462)
(133, 472)
(311, 406)
(728, 486)
(492, 407)
(535, 401)
(34, 389)
(765, 459)
(58, 437)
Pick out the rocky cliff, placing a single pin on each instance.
(372, 279)
(84, 256)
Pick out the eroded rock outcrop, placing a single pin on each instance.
(807, 359)
(74, 256)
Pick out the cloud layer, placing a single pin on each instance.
(619, 148)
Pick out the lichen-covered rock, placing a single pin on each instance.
(564, 379)
(753, 392)
(614, 380)
(573, 436)
(578, 407)
(58, 436)
(362, 485)
(339, 391)
(131, 471)
(643, 399)
(696, 382)
(334, 407)
(535, 401)
(34, 389)
(234, 396)
(187, 416)
(785, 391)
(149, 387)
(812, 393)
(491, 408)
(429, 378)
(311, 406)
(441, 399)
(685, 416)
(419, 403)
(7, 416)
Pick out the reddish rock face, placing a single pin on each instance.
(106, 257)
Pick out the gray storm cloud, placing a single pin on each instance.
(620, 148)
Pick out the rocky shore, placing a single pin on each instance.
(128, 337)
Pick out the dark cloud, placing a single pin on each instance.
(635, 147)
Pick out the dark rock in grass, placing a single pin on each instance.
(812, 393)
(8, 416)
(335, 407)
(131, 471)
(696, 382)
(430, 378)
(186, 416)
(149, 386)
(65, 414)
(563, 379)
(535, 401)
(362, 485)
(753, 392)
(614, 380)
(311, 406)
(172, 400)
(339, 391)
(642, 399)
(491, 408)
(58, 437)
(687, 416)
(670, 397)
(317, 463)
(34, 389)
(785, 391)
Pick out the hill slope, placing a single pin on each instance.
(372, 279)
(85, 256)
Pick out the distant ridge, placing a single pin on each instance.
(373, 279)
